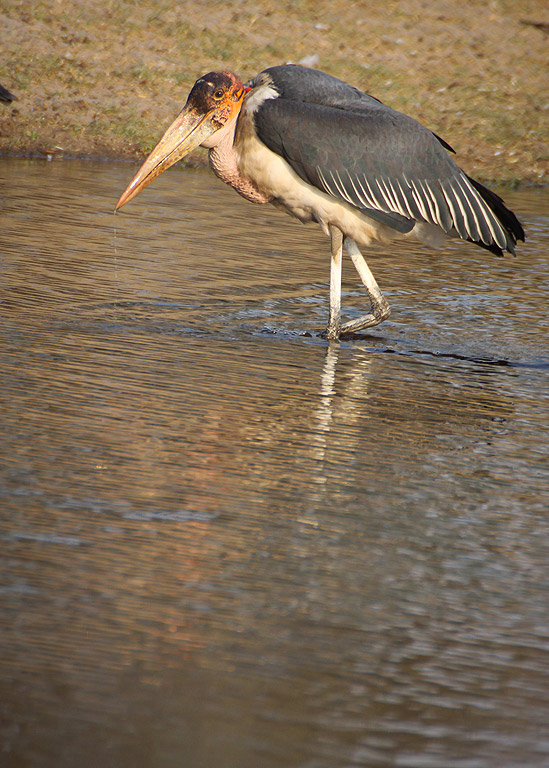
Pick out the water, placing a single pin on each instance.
(227, 543)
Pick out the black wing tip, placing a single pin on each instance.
(507, 218)
(493, 248)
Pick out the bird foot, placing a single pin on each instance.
(379, 313)
(332, 332)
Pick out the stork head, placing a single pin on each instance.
(213, 104)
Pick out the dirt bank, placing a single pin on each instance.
(104, 78)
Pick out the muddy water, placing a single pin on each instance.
(226, 543)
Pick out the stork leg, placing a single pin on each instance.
(379, 305)
(334, 323)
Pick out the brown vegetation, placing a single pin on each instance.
(103, 78)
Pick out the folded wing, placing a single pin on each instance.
(382, 162)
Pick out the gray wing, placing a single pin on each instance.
(381, 161)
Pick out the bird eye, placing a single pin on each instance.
(218, 94)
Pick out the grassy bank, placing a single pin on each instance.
(101, 78)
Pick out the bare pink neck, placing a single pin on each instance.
(224, 164)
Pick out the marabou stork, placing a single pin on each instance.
(324, 151)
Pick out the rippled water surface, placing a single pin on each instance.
(227, 543)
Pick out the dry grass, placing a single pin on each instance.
(104, 78)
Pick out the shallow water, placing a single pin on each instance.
(226, 543)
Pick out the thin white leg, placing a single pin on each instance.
(334, 323)
(380, 309)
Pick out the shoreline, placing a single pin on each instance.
(103, 81)
(202, 164)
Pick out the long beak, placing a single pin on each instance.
(188, 131)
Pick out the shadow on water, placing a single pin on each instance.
(228, 543)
